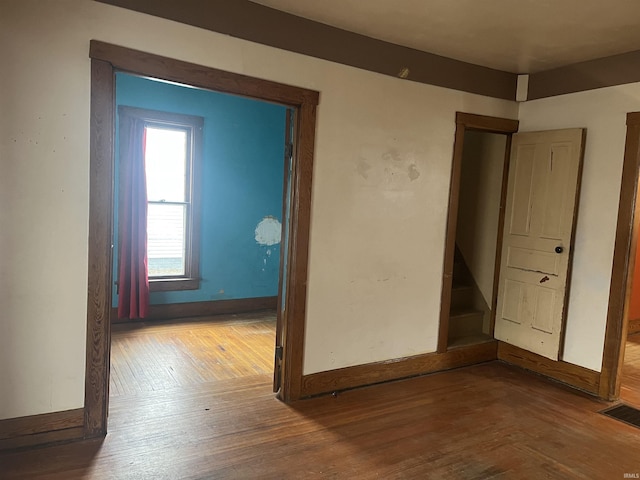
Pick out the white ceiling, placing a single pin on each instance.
(520, 36)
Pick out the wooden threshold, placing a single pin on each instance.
(396, 369)
(41, 429)
(572, 375)
(202, 309)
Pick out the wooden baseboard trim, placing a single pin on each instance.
(567, 373)
(202, 309)
(634, 326)
(396, 369)
(41, 429)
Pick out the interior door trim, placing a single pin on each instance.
(624, 254)
(106, 60)
(464, 122)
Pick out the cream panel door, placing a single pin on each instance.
(538, 230)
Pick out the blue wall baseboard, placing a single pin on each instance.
(179, 311)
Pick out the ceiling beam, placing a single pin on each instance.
(589, 75)
(257, 23)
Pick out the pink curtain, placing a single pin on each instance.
(133, 281)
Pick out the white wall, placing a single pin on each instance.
(381, 182)
(603, 113)
(479, 206)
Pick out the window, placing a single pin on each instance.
(173, 145)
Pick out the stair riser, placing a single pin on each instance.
(461, 299)
(460, 272)
(464, 325)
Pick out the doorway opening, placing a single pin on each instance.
(106, 61)
(620, 375)
(630, 383)
(217, 214)
(474, 229)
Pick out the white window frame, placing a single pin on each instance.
(193, 126)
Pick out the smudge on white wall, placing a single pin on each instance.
(388, 169)
(268, 231)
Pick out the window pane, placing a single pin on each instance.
(166, 240)
(166, 160)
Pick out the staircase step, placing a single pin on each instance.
(457, 256)
(463, 323)
(467, 308)
(469, 340)
(461, 273)
(465, 312)
(461, 297)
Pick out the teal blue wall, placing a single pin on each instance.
(242, 170)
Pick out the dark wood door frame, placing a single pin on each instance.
(284, 250)
(106, 60)
(624, 255)
(465, 122)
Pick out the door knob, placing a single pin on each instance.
(559, 249)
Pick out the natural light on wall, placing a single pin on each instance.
(168, 196)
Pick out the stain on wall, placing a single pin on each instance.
(268, 231)
(390, 169)
(413, 171)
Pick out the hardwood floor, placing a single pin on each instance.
(487, 421)
(157, 356)
(630, 387)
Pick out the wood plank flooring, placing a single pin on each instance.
(156, 356)
(484, 422)
(193, 400)
(630, 387)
